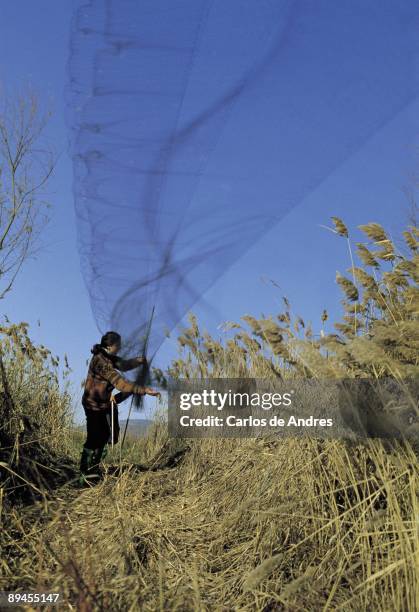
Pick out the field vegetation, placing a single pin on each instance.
(262, 524)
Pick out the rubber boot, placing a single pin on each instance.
(98, 456)
(86, 462)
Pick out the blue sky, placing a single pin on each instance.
(298, 254)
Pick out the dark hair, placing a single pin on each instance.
(109, 339)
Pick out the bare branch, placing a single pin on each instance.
(25, 168)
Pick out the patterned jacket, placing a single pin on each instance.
(103, 377)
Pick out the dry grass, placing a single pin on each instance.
(258, 524)
(250, 525)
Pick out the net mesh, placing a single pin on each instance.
(196, 125)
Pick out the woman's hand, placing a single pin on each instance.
(141, 360)
(153, 392)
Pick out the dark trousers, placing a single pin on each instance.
(99, 427)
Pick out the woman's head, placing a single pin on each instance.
(111, 342)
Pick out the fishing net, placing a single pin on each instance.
(196, 125)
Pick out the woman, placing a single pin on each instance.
(102, 378)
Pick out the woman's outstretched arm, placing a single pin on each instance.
(124, 365)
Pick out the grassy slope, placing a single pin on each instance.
(249, 525)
